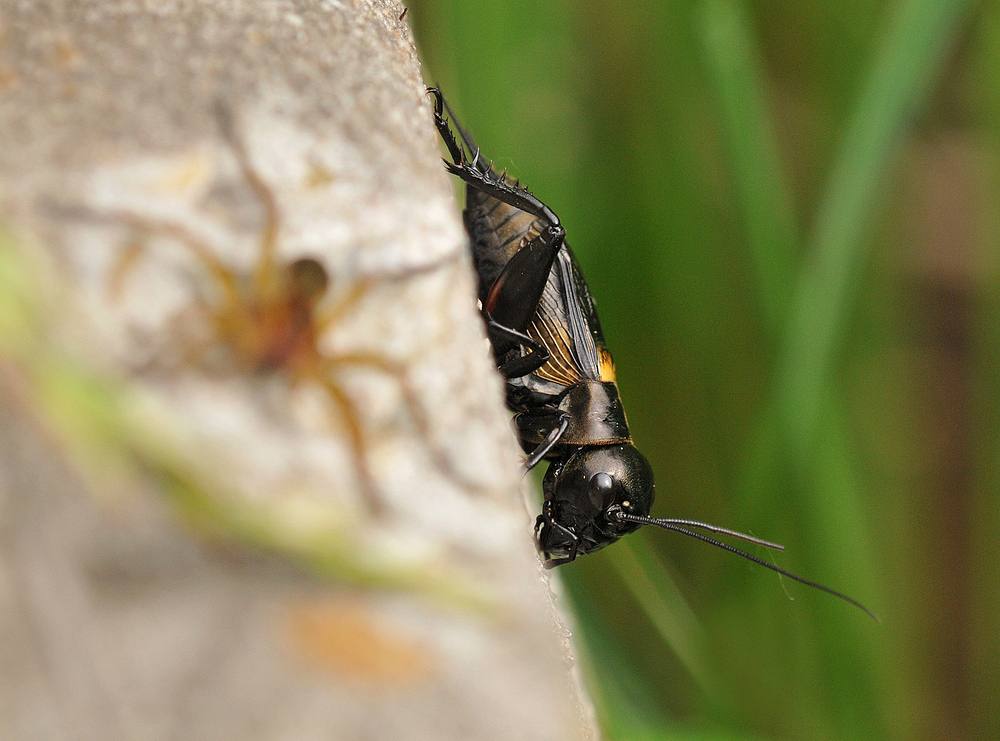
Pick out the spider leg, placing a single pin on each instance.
(125, 262)
(415, 410)
(265, 272)
(343, 303)
(356, 438)
(146, 227)
(346, 301)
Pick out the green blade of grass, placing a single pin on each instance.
(763, 194)
(672, 618)
(903, 72)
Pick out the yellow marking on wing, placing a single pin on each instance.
(607, 365)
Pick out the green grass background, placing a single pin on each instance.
(788, 213)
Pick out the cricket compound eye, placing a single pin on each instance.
(601, 486)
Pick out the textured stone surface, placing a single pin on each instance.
(144, 144)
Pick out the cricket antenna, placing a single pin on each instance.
(685, 528)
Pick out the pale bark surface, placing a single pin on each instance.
(164, 492)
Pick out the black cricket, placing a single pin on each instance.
(560, 378)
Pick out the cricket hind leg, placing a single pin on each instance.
(513, 299)
(440, 108)
(483, 178)
(441, 123)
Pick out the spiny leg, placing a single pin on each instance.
(457, 154)
(487, 182)
(490, 184)
(457, 150)
(514, 297)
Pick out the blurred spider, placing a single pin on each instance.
(271, 321)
